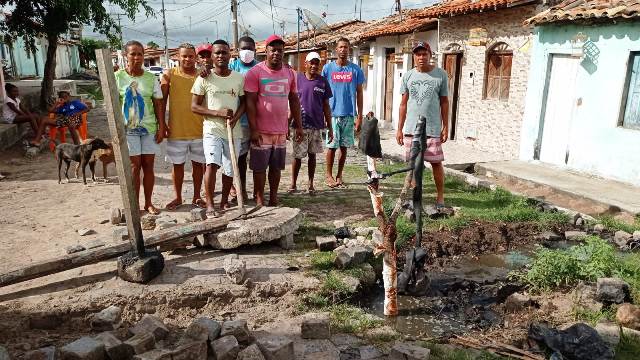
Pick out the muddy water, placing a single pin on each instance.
(459, 299)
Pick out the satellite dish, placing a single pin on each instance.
(317, 24)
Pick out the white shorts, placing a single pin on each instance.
(142, 144)
(177, 151)
(216, 152)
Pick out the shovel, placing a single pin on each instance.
(234, 164)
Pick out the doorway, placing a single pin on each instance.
(452, 64)
(559, 106)
(388, 84)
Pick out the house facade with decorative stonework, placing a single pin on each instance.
(486, 51)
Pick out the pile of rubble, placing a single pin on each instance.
(205, 338)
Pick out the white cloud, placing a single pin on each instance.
(195, 21)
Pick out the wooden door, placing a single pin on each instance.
(560, 104)
(452, 65)
(388, 88)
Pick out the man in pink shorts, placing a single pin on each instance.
(424, 93)
(270, 89)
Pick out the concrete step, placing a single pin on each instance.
(570, 189)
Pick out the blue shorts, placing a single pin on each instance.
(343, 132)
(142, 144)
(216, 152)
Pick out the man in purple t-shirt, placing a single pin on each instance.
(314, 92)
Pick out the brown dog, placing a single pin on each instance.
(106, 157)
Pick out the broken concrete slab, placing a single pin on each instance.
(286, 242)
(203, 329)
(326, 243)
(265, 225)
(574, 235)
(252, 352)
(85, 348)
(107, 319)
(156, 354)
(609, 332)
(120, 234)
(95, 244)
(237, 328)
(352, 256)
(150, 324)
(370, 352)
(622, 238)
(276, 347)
(225, 348)
(45, 353)
(148, 222)
(203, 240)
(196, 350)
(141, 342)
(235, 269)
(85, 231)
(316, 326)
(198, 214)
(404, 351)
(115, 349)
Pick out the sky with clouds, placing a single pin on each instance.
(197, 21)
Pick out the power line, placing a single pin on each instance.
(152, 35)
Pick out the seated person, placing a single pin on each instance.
(68, 113)
(14, 112)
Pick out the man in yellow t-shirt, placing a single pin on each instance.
(184, 132)
(224, 94)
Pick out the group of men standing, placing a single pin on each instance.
(259, 101)
(255, 104)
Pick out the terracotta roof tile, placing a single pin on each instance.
(460, 7)
(393, 26)
(584, 10)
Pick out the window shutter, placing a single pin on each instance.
(493, 76)
(505, 76)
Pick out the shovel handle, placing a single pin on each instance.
(236, 171)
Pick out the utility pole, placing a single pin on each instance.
(118, 15)
(399, 8)
(166, 41)
(360, 10)
(234, 22)
(217, 32)
(299, 13)
(282, 26)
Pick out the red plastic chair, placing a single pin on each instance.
(53, 132)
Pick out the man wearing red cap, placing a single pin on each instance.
(425, 94)
(271, 91)
(205, 61)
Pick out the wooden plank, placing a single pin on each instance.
(236, 170)
(120, 148)
(82, 258)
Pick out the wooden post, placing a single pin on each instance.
(236, 169)
(120, 149)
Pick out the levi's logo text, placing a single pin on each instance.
(341, 76)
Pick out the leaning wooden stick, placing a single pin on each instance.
(236, 171)
(388, 246)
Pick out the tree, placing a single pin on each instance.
(88, 50)
(152, 45)
(50, 19)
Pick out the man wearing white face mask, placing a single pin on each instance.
(245, 61)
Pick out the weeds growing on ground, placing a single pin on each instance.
(593, 317)
(440, 352)
(587, 262)
(628, 348)
(610, 223)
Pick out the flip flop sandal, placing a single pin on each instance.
(440, 206)
(212, 214)
(330, 186)
(172, 206)
(311, 192)
(342, 186)
(199, 203)
(292, 191)
(152, 211)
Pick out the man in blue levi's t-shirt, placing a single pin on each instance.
(345, 79)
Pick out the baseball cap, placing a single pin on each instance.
(274, 38)
(421, 45)
(312, 55)
(204, 47)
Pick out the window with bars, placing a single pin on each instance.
(630, 116)
(498, 72)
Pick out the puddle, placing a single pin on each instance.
(459, 298)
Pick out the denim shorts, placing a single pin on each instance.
(216, 152)
(142, 144)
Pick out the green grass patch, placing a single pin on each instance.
(611, 224)
(441, 352)
(593, 317)
(322, 260)
(350, 319)
(334, 288)
(628, 348)
(587, 262)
